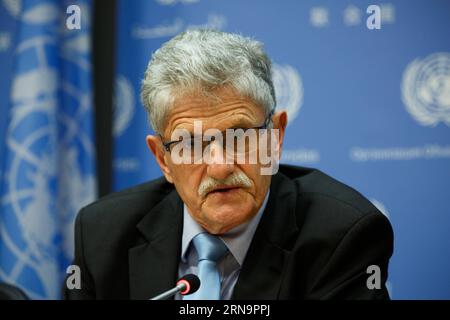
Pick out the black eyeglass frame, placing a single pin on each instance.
(266, 123)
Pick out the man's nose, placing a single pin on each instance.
(219, 167)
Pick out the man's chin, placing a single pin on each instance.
(223, 217)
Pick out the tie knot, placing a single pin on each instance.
(209, 247)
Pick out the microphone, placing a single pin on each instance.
(187, 284)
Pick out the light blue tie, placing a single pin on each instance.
(210, 249)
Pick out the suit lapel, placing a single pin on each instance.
(263, 268)
(154, 263)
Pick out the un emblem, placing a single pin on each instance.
(49, 152)
(289, 89)
(426, 89)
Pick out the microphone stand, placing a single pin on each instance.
(171, 292)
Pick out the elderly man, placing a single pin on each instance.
(248, 233)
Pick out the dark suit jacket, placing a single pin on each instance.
(315, 240)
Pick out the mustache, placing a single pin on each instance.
(238, 179)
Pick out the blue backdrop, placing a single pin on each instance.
(369, 107)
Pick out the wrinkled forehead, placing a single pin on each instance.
(220, 111)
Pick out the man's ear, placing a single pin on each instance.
(280, 120)
(155, 145)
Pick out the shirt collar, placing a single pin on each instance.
(237, 239)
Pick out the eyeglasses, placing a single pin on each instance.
(233, 141)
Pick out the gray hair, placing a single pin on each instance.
(206, 60)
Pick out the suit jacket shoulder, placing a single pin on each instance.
(105, 231)
(340, 234)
